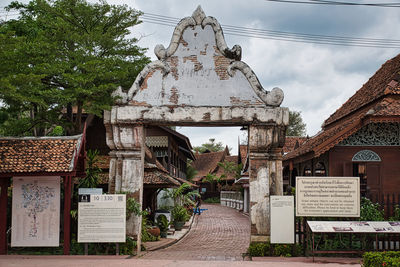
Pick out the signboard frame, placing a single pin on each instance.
(282, 219)
(102, 219)
(325, 196)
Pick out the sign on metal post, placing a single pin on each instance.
(282, 219)
(102, 218)
(328, 196)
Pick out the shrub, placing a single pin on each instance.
(261, 249)
(396, 214)
(386, 258)
(180, 214)
(162, 223)
(370, 211)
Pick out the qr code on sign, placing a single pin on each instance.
(120, 198)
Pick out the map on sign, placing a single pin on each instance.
(35, 200)
(35, 211)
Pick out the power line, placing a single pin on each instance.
(284, 36)
(336, 3)
(277, 35)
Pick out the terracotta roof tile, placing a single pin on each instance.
(103, 162)
(293, 142)
(42, 154)
(207, 163)
(153, 176)
(185, 181)
(385, 81)
(326, 139)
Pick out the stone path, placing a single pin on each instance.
(218, 234)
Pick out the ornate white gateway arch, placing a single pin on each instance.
(199, 81)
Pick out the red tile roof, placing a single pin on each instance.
(378, 100)
(39, 154)
(207, 163)
(385, 108)
(154, 176)
(384, 82)
(293, 142)
(103, 161)
(181, 180)
(155, 173)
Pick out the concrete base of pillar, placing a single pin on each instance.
(259, 238)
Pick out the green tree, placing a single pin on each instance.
(211, 178)
(93, 171)
(296, 125)
(183, 195)
(211, 145)
(63, 58)
(230, 168)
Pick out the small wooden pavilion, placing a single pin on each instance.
(40, 157)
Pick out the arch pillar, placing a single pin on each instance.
(126, 142)
(265, 177)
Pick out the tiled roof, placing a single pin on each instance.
(207, 163)
(384, 82)
(154, 176)
(326, 139)
(293, 142)
(181, 180)
(103, 161)
(39, 154)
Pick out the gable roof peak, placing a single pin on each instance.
(383, 82)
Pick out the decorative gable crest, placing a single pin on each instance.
(198, 69)
(366, 155)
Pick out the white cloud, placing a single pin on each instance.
(316, 79)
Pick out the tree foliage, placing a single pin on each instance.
(211, 146)
(230, 167)
(93, 171)
(296, 125)
(63, 58)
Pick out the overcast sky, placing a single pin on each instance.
(316, 79)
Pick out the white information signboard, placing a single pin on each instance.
(102, 218)
(328, 196)
(353, 227)
(35, 211)
(282, 219)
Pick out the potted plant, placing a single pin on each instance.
(162, 223)
(180, 216)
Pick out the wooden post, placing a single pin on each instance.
(67, 213)
(4, 183)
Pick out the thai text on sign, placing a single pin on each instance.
(328, 196)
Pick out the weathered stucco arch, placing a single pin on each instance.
(199, 81)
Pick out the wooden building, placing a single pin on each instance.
(166, 155)
(361, 138)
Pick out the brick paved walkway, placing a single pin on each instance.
(219, 233)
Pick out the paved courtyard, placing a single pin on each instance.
(218, 234)
(218, 238)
